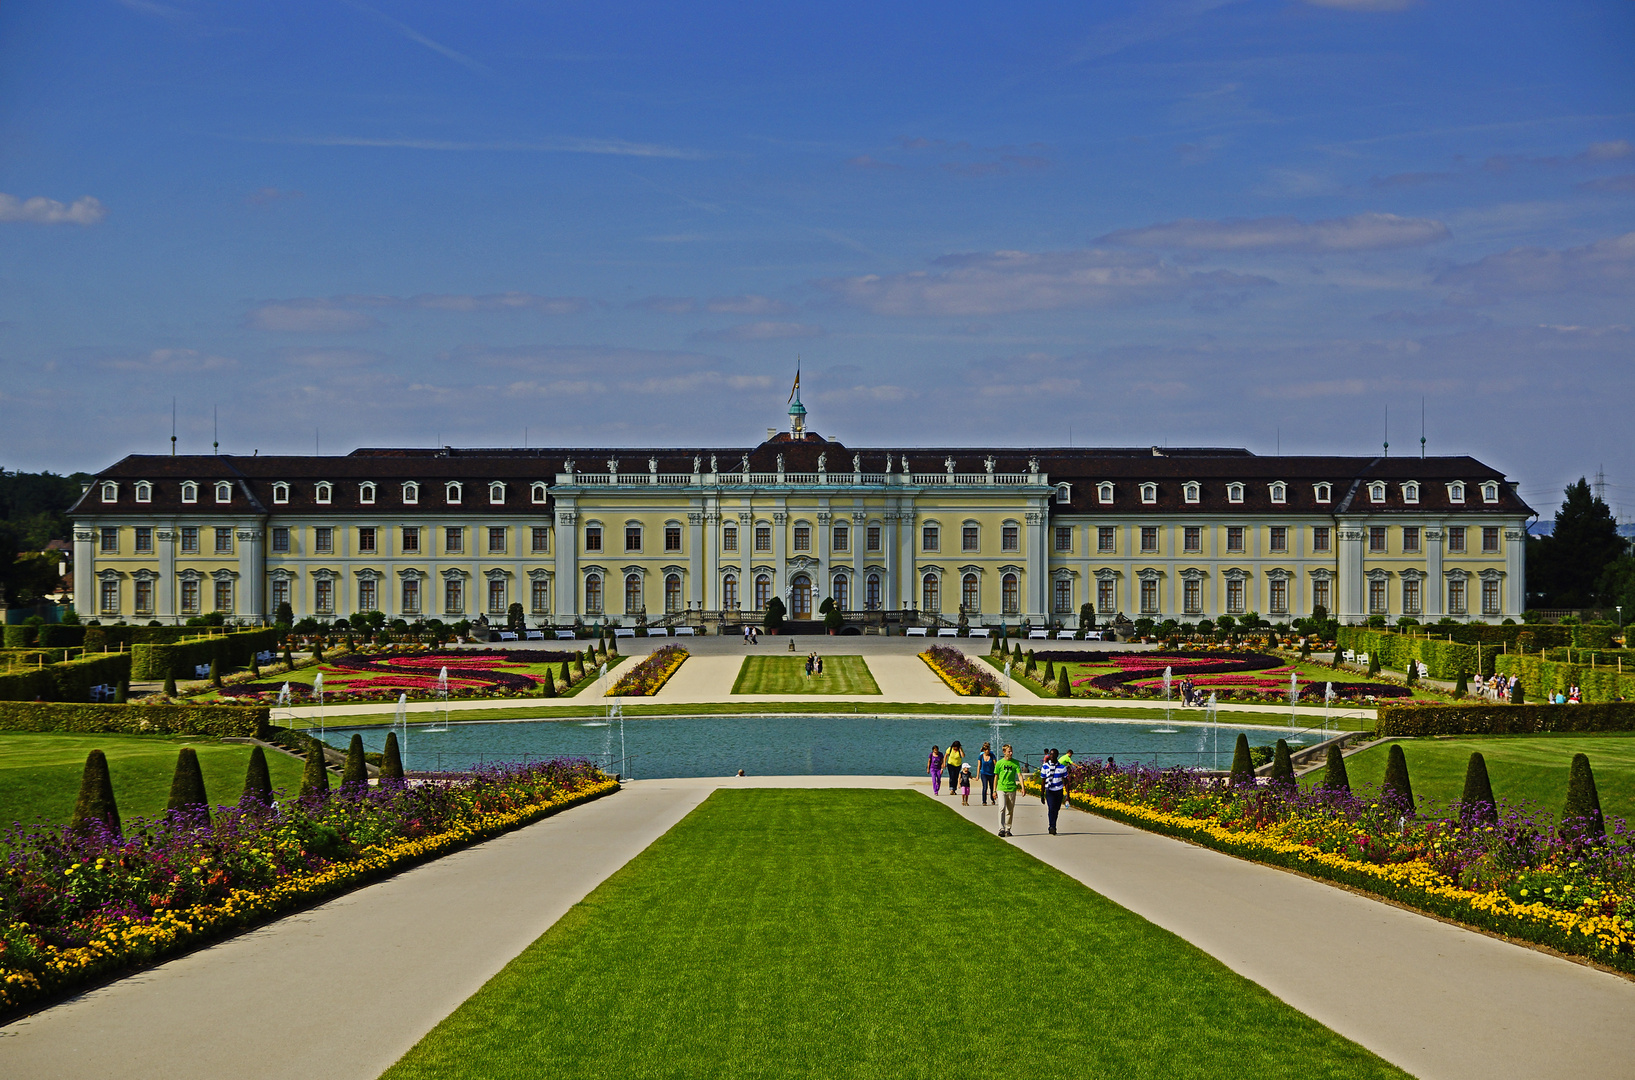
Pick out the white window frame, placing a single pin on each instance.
(411, 493)
(496, 493)
(1410, 492)
(1234, 493)
(1192, 491)
(1280, 492)
(1490, 492)
(453, 492)
(1456, 491)
(1104, 493)
(144, 492)
(110, 491)
(224, 492)
(1064, 493)
(1149, 493)
(1376, 491)
(324, 493)
(281, 493)
(366, 493)
(1323, 493)
(540, 492)
(190, 492)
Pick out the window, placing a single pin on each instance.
(970, 538)
(763, 591)
(763, 538)
(1149, 493)
(1149, 596)
(1490, 494)
(224, 493)
(1105, 535)
(874, 538)
(411, 540)
(1064, 538)
(871, 592)
(1280, 596)
(840, 589)
(366, 544)
(1456, 596)
(1192, 539)
(144, 540)
(1490, 596)
(1009, 595)
(632, 537)
(190, 492)
(496, 539)
(1376, 539)
(1376, 597)
(1234, 596)
(110, 540)
(1456, 539)
(1319, 538)
(1104, 493)
(930, 593)
(224, 541)
(1234, 493)
(110, 492)
(1410, 540)
(593, 538)
(1319, 593)
(841, 538)
(144, 596)
(368, 595)
(323, 540)
(633, 594)
(1410, 596)
(144, 492)
(454, 540)
(539, 493)
(1376, 491)
(1410, 492)
(366, 496)
(1277, 540)
(1234, 538)
(729, 592)
(411, 493)
(411, 596)
(1192, 597)
(1064, 494)
(1490, 539)
(930, 539)
(281, 493)
(452, 493)
(539, 540)
(1010, 538)
(323, 592)
(1106, 589)
(454, 596)
(1064, 595)
(109, 598)
(970, 598)
(1149, 539)
(729, 538)
(1456, 492)
(539, 596)
(281, 540)
(1323, 492)
(593, 594)
(672, 593)
(496, 596)
(496, 494)
(803, 538)
(1280, 492)
(1191, 491)
(190, 539)
(190, 596)
(280, 592)
(324, 493)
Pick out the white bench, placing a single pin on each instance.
(947, 631)
(565, 635)
(981, 631)
(1038, 633)
(1092, 635)
(623, 631)
(105, 692)
(914, 631)
(264, 657)
(533, 635)
(685, 631)
(506, 635)
(201, 671)
(658, 631)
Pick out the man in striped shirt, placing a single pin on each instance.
(1053, 776)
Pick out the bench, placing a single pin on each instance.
(105, 692)
(565, 635)
(1038, 633)
(658, 631)
(623, 631)
(533, 635)
(201, 671)
(1092, 635)
(685, 631)
(914, 631)
(264, 657)
(947, 631)
(505, 635)
(980, 631)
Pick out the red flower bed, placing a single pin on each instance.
(384, 675)
(1242, 673)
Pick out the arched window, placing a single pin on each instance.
(411, 493)
(871, 593)
(323, 493)
(1280, 492)
(1234, 493)
(281, 493)
(840, 592)
(672, 593)
(633, 594)
(970, 598)
(729, 593)
(800, 597)
(593, 594)
(496, 493)
(1490, 492)
(1104, 493)
(1191, 491)
(1456, 491)
(1323, 492)
(452, 493)
(1376, 491)
(366, 493)
(763, 591)
(224, 492)
(1009, 595)
(190, 492)
(539, 492)
(144, 492)
(930, 594)
(1149, 493)
(110, 492)
(1410, 492)
(1064, 493)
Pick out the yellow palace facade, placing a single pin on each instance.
(708, 536)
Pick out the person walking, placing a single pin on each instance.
(965, 784)
(933, 765)
(954, 760)
(1007, 779)
(1053, 780)
(984, 768)
(1067, 758)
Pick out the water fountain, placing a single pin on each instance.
(999, 709)
(401, 724)
(1328, 700)
(1168, 679)
(318, 696)
(442, 694)
(1215, 726)
(1294, 696)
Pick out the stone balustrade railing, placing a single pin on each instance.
(769, 479)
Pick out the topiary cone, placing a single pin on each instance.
(355, 774)
(1517, 697)
(1374, 662)
(547, 685)
(1282, 765)
(1064, 688)
(257, 780)
(1396, 788)
(170, 686)
(1413, 673)
(122, 692)
(215, 673)
(95, 804)
(1243, 765)
(391, 768)
(1461, 686)
(1335, 777)
(315, 778)
(1583, 810)
(1050, 672)
(1477, 804)
(187, 787)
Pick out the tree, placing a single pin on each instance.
(1243, 763)
(1064, 686)
(547, 683)
(355, 774)
(285, 615)
(1461, 685)
(1282, 774)
(391, 766)
(1335, 777)
(514, 618)
(567, 676)
(775, 611)
(257, 780)
(1374, 662)
(1050, 672)
(1396, 789)
(215, 673)
(170, 685)
(1087, 616)
(1413, 672)
(187, 788)
(1582, 813)
(1476, 804)
(1517, 695)
(95, 805)
(315, 778)
(1565, 569)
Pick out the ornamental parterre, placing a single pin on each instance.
(649, 676)
(384, 675)
(961, 675)
(1252, 675)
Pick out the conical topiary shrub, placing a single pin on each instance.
(95, 804)
(1374, 662)
(355, 774)
(612, 644)
(1335, 777)
(1243, 765)
(1016, 653)
(1582, 814)
(1050, 672)
(391, 766)
(289, 661)
(315, 778)
(1413, 673)
(170, 686)
(1064, 688)
(1517, 697)
(547, 684)
(257, 780)
(1461, 685)
(1282, 765)
(215, 673)
(1396, 788)
(1339, 657)
(1477, 804)
(122, 692)
(187, 787)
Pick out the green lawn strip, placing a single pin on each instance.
(787, 675)
(1523, 768)
(40, 773)
(798, 933)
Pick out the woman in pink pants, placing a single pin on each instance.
(933, 765)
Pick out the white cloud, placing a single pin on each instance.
(40, 210)
(665, 305)
(1619, 184)
(172, 361)
(1012, 281)
(1605, 268)
(341, 314)
(761, 331)
(331, 359)
(612, 147)
(507, 301)
(749, 304)
(1359, 232)
(309, 317)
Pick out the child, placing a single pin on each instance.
(965, 784)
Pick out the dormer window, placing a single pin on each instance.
(539, 492)
(1323, 492)
(496, 494)
(190, 492)
(1191, 491)
(110, 492)
(1064, 494)
(144, 492)
(1376, 491)
(411, 493)
(1490, 492)
(1456, 491)
(281, 493)
(1234, 493)
(451, 493)
(1280, 492)
(325, 492)
(224, 492)
(1149, 493)
(1410, 492)
(1104, 494)
(366, 493)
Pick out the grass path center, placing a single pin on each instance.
(787, 675)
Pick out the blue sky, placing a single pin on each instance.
(1255, 224)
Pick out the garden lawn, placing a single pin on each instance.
(787, 675)
(1522, 767)
(40, 773)
(806, 933)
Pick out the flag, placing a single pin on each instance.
(796, 388)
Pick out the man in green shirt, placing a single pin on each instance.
(1007, 777)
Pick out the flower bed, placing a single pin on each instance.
(382, 675)
(1250, 677)
(645, 679)
(962, 676)
(1558, 887)
(75, 907)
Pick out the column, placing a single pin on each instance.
(695, 555)
(165, 538)
(1515, 571)
(1038, 566)
(251, 601)
(892, 594)
(567, 564)
(746, 554)
(85, 572)
(1435, 594)
(780, 545)
(910, 596)
(821, 587)
(1351, 587)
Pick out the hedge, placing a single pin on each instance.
(152, 660)
(1445, 659)
(216, 720)
(1487, 718)
(19, 636)
(1540, 676)
(58, 636)
(71, 681)
(1613, 658)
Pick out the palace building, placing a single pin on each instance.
(708, 536)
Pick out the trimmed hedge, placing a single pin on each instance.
(1540, 677)
(71, 681)
(58, 636)
(1444, 658)
(156, 660)
(1494, 719)
(19, 636)
(217, 720)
